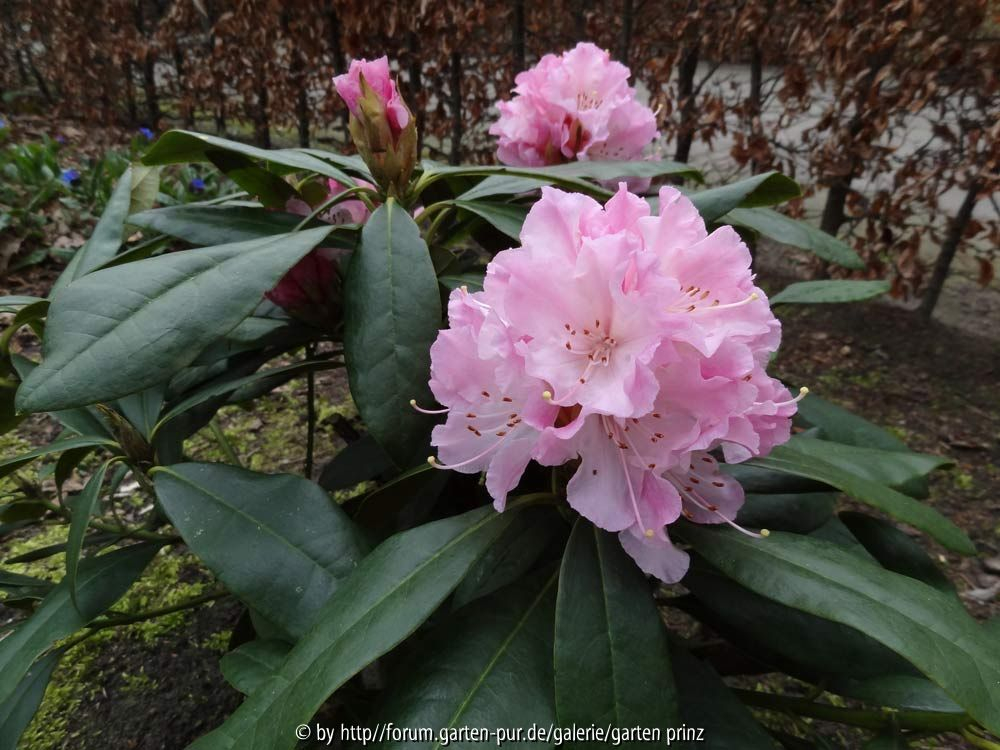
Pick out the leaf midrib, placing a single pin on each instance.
(280, 692)
(501, 650)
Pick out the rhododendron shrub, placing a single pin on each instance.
(593, 372)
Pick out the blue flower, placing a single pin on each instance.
(147, 133)
(197, 185)
(3, 123)
(60, 139)
(69, 176)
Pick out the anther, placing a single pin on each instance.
(649, 533)
(547, 395)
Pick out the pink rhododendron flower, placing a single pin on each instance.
(634, 345)
(577, 105)
(379, 79)
(307, 290)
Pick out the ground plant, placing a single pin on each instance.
(574, 463)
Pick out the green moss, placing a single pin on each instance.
(271, 436)
(51, 568)
(139, 683)
(74, 678)
(964, 481)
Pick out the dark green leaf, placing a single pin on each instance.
(101, 582)
(83, 508)
(916, 621)
(799, 234)
(489, 665)
(382, 511)
(706, 702)
(391, 593)
(129, 327)
(180, 146)
(106, 238)
(900, 691)
(14, 302)
(612, 662)
(142, 409)
(786, 637)
(800, 512)
(814, 292)
(895, 550)
(17, 711)
(86, 421)
(356, 462)
(228, 386)
(216, 225)
(573, 176)
(278, 542)
(253, 663)
(837, 423)
(765, 189)
(272, 191)
(474, 281)
(11, 465)
(511, 556)
(503, 185)
(896, 469)
(507, 217)
(896, 504)
(392, 312)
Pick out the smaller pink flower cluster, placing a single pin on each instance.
(577, 105)
(307, 291)
(377, 76)
(629, 344)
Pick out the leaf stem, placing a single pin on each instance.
(358, 191)
(114, 622)
(978, 740)
(310, 413)
(224, 444)
(875, 719)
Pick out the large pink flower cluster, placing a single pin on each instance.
(635, 344)
(577, 105)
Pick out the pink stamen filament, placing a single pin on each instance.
(611, 427)
(691, 495)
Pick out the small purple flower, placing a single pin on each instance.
(60, 139)
(70, 176)
(197, 185)
(147, 133)
(3, 123)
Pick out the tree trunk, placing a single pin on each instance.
(833, 210)
(296, 69)
(685, 92)
(187, 109)
(261, 123)
(133, 113)
(756, 94)
(456, 108)
(952, 239)
(579, 20)
(414, 99)
(39, 79)
(517, 37)
(148, 69)
(339, 61)
(628, 19)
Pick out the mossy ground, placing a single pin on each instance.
(165, 669)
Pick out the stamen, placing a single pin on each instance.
(438, 465)
(413, 403)
(547, 395)
(803, 392)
